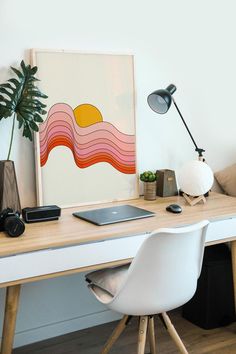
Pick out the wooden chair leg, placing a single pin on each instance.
(143, 323)
(115, 334)
(151, 335)
(11, 307)
(174, 335)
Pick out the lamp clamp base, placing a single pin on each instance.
(200, 151)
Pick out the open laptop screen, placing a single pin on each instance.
(111, 215)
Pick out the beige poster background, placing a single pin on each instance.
(105, 81)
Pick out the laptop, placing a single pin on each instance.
(111, 215)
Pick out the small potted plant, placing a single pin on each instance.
(149, 179)
(20, 100)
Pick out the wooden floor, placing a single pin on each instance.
(90, 341)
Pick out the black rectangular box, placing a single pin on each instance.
(43, 213)
(212, 306)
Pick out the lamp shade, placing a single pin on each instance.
(195, 178)
(160, 100)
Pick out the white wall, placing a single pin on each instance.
(185, 42)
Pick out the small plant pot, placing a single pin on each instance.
(149, 190)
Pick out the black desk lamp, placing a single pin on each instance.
(160, 101)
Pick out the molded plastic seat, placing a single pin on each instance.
(162, 276)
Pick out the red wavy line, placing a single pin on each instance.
(95, 158)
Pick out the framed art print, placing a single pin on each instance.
(85, 148)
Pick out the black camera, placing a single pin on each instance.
(11, 223)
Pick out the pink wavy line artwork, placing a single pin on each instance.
(98, 142)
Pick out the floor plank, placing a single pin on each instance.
(89, 341)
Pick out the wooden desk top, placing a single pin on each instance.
(69, 230)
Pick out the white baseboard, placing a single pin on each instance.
(56, 329)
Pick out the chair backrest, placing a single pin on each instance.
(163, 275)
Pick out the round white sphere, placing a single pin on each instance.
(195, 178)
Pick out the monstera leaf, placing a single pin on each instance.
(21, 97)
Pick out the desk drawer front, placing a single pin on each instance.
(218, 230)
(57, 260)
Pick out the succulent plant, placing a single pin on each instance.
(148, 176)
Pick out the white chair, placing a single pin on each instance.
(162, 276)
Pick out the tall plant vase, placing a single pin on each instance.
(9, 194)
(149, 191)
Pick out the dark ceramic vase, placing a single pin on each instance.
(9, 195)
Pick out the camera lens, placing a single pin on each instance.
(14, 226)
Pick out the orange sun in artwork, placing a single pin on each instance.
(87, 114)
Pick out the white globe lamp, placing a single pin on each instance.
(195, 179)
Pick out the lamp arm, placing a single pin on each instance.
(199, 150)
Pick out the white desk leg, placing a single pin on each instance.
(233, 256)
(11, 307)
